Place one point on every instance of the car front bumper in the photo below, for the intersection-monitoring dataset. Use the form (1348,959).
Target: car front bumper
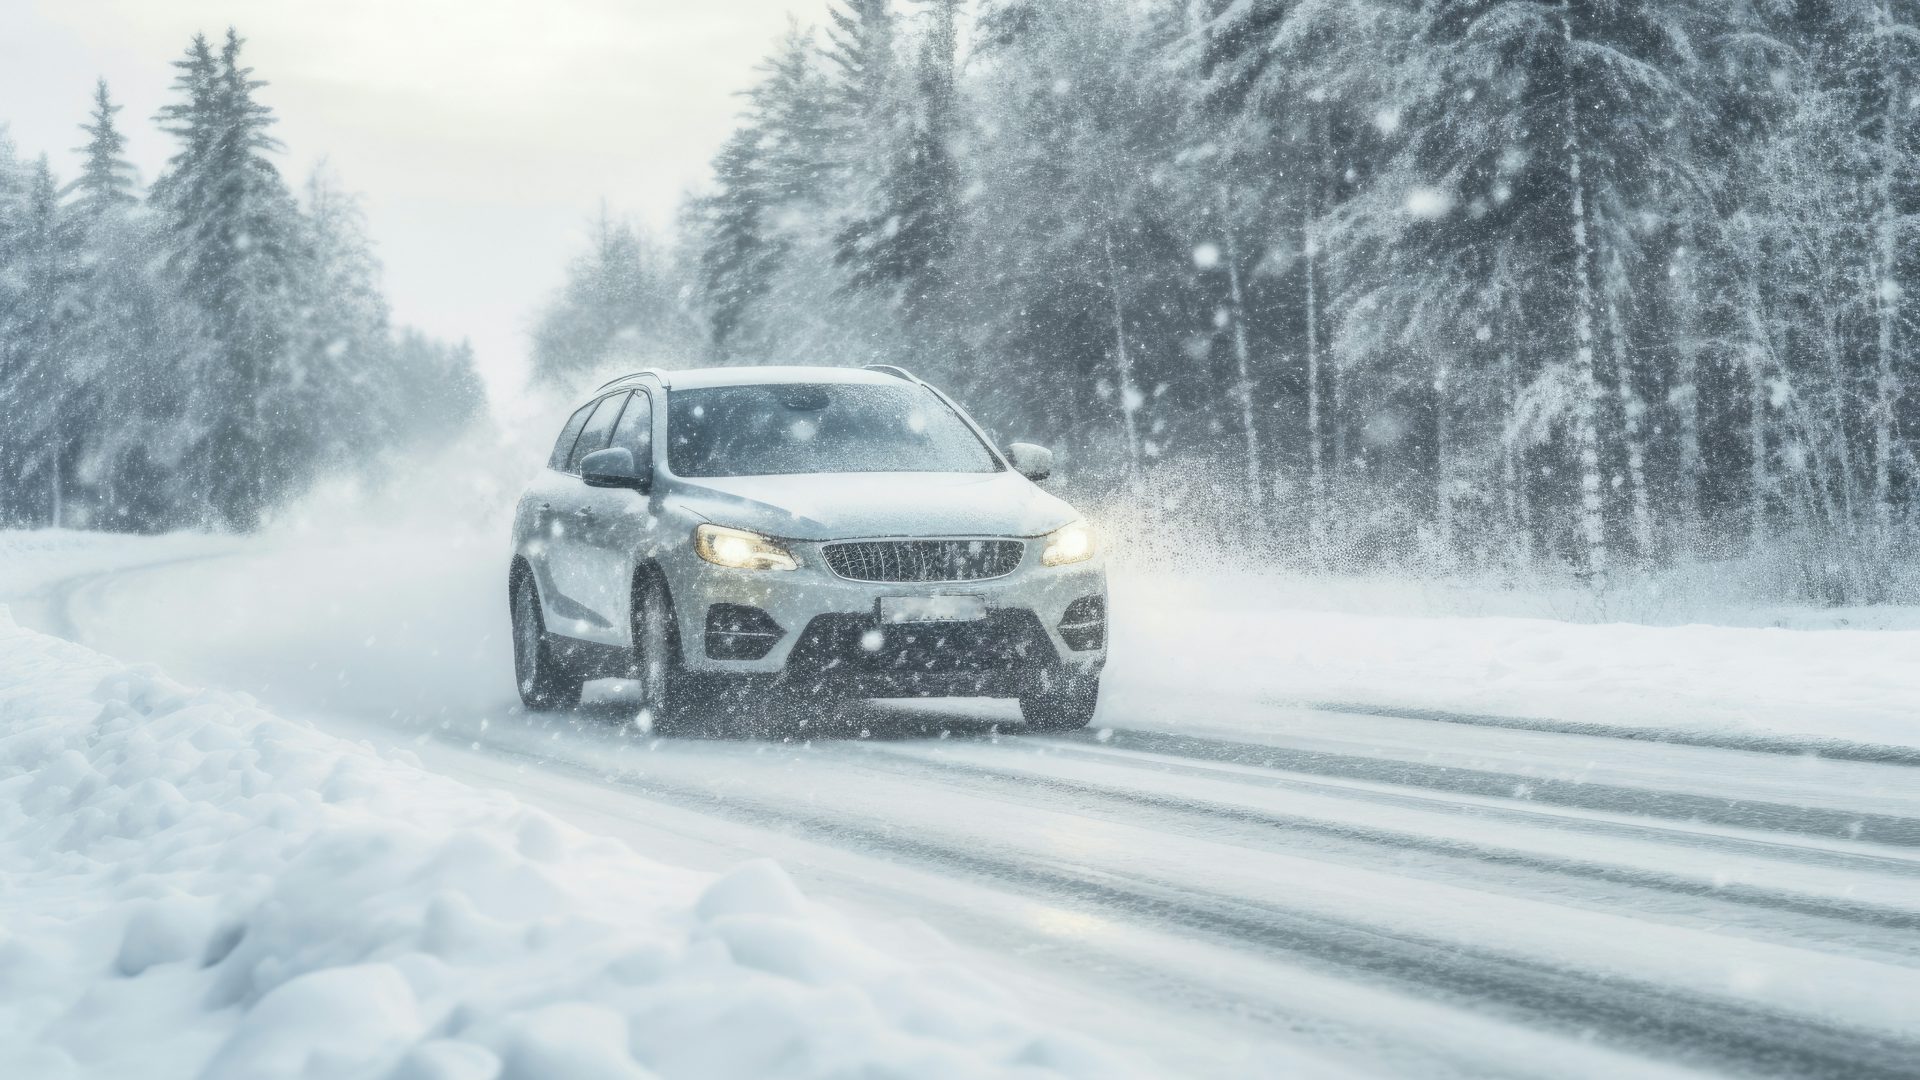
(812,626)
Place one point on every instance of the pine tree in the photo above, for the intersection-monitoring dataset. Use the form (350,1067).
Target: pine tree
(124,350)
(739,254)
(106,177)
(860,48)
(621,308)
(37,383)
(865,104)
(234,238)
(789,106)
(1073,238)
(1499,281)
(14,406)
(1284,92)
(335,386)
(903,244)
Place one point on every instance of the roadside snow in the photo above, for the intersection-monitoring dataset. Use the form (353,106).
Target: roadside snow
(191,886)
(32,562)
(1234,651)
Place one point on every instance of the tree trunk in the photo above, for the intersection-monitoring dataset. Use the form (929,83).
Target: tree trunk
(1758,478)
(1130,397)
(1886,386)
(1310,252)
(1632,411)
(1519,521)
(1243,374)
(1586,409)
(1442,465)
(1684,399)
(56,497)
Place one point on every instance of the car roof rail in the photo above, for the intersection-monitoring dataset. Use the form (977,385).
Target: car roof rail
(655,372)
(895,370)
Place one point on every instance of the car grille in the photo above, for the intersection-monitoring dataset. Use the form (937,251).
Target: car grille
(994,656)
(924,560)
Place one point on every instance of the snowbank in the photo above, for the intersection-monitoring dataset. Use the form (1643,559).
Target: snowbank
(190,886)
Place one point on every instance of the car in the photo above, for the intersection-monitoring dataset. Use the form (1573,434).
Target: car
(733,536)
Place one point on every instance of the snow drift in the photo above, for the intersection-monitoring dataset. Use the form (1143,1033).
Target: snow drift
(191,886)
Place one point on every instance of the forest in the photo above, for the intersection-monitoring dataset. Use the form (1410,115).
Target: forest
(1438,286)
(195,354)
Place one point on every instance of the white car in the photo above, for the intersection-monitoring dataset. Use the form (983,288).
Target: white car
(720,535)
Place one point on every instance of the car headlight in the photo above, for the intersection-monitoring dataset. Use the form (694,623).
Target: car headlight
(741,550)
(1068,544)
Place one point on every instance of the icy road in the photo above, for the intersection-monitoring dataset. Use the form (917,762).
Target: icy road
(1214,882)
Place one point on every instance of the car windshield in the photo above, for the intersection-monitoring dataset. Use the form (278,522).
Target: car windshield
(776,429)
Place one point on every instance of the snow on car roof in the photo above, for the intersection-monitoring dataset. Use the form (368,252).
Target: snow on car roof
(696,378)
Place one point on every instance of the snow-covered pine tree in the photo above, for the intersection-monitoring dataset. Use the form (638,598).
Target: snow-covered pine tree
(1537,143)
(40,261)
(863,93)
(738,251)
(621,308)
(903,245)
(14,407)
(106,178)
(1869,53)
(127,350)
(234,238)
(791,108)
(337,384)
(1287,94)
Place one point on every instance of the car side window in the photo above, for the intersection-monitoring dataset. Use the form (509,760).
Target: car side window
(635,431)
(563,446)
(599,427)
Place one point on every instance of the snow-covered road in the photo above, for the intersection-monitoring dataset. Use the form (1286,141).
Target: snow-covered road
(1217,883)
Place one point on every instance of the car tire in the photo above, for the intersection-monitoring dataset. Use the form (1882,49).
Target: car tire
(672,701)
(1063,702)
(545,681)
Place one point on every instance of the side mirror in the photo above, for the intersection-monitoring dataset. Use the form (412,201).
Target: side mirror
(612,468)
(1030,461)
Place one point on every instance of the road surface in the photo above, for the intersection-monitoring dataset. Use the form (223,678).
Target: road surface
(1223,887)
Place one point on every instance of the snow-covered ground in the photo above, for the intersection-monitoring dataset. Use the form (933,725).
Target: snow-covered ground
(1252,644)
(1414,840)
(193,886)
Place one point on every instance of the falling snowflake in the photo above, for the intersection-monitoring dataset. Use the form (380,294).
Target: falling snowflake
(1429,203)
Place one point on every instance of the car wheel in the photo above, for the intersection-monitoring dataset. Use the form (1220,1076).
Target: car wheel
(668,696)
(545,683)
(1062,702)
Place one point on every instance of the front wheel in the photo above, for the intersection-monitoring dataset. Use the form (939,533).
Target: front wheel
(1062,702)
(545,682)
(674,700)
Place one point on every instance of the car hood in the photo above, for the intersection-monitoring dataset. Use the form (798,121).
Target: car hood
(838,506)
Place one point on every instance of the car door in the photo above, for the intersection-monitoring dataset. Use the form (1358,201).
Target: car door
(535,519)
(579,605)
(616,524)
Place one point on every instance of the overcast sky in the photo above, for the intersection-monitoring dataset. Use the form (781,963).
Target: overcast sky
(482,133)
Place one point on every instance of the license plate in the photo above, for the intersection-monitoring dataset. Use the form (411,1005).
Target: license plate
(921,609)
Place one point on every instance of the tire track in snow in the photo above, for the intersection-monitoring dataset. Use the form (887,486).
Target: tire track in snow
(1630,1014)
(1506,809)
(1792,745)
(1269,826)
(1643,802)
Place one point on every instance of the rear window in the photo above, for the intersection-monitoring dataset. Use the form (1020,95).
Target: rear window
(781,429)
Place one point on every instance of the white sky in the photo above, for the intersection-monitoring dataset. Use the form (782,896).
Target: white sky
(482,134)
